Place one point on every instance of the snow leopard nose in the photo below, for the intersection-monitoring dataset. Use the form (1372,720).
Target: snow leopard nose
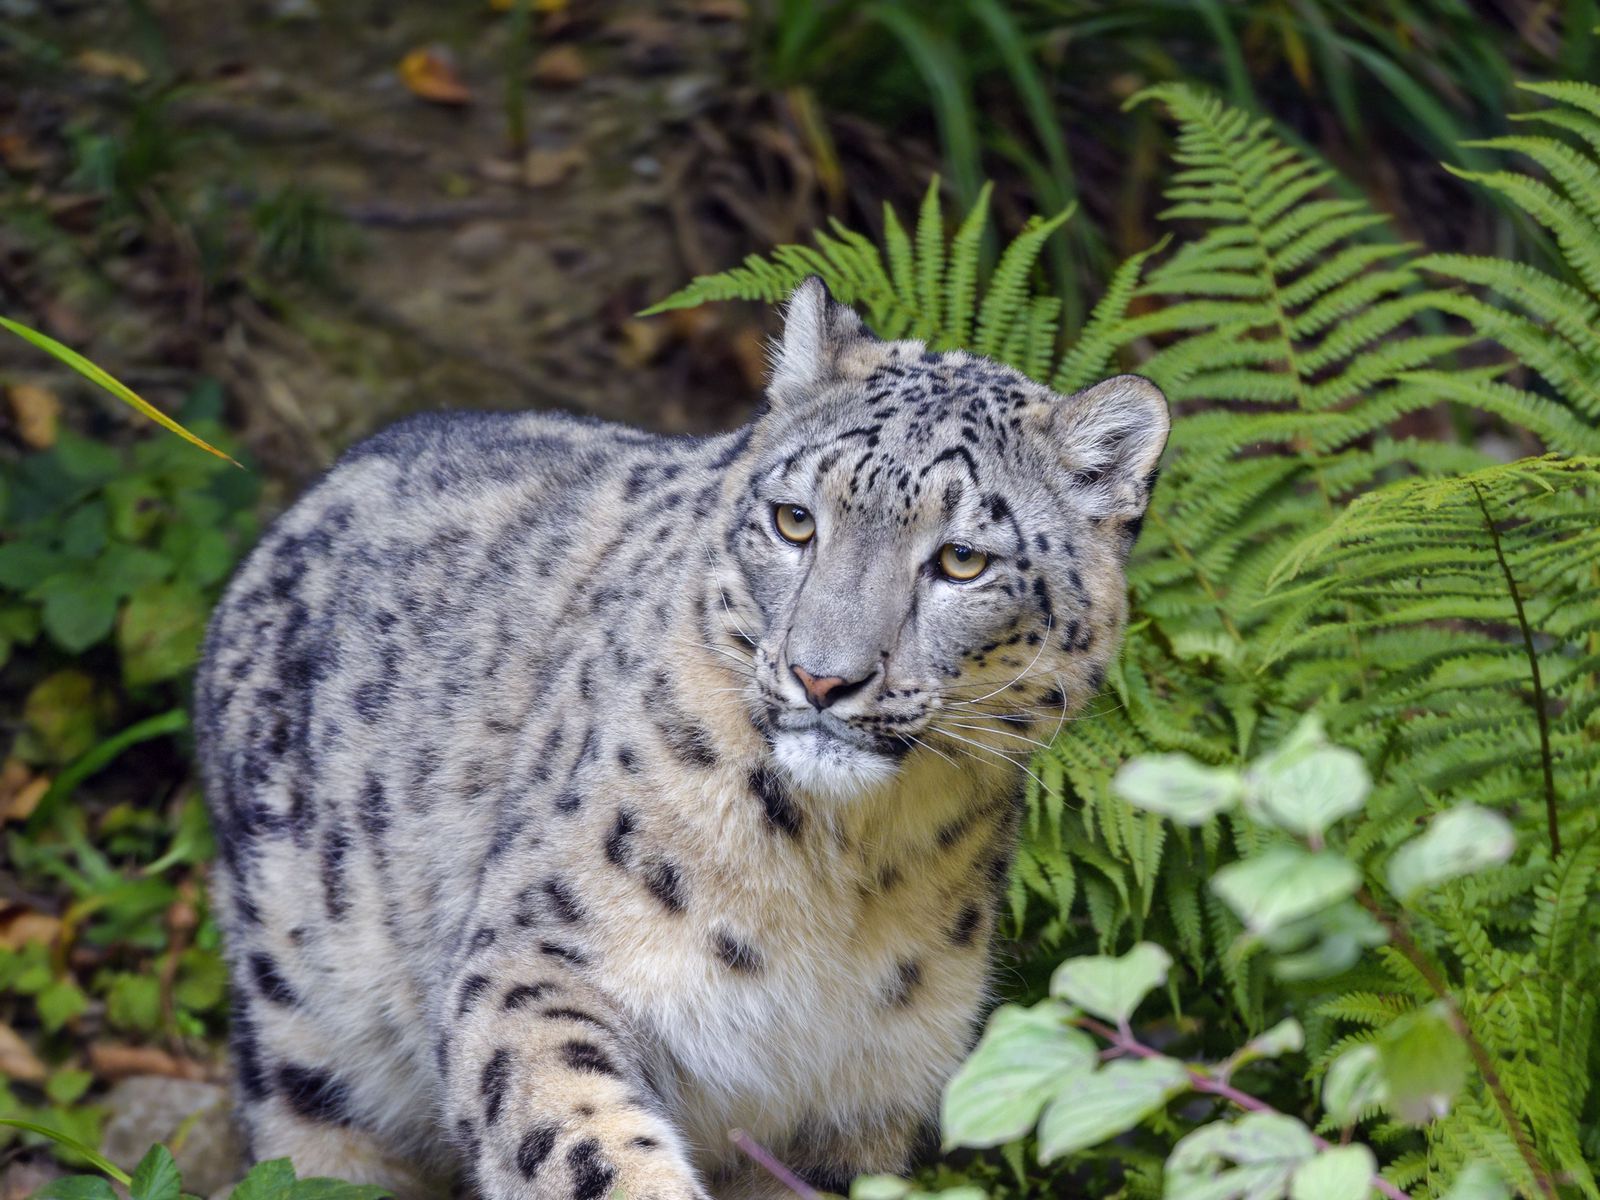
(829,689)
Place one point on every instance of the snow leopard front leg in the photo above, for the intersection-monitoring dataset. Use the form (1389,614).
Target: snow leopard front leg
(545,1089)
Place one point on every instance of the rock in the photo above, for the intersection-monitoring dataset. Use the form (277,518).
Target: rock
(17,1059)
(544,168)
(37,413)
(479,244)
(22,1179)
(194,1119)
(559,66)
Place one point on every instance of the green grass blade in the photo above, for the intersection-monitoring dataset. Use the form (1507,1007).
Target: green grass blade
(98,1161)
(94,374)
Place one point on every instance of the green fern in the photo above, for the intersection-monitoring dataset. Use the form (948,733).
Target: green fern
(1549,325)
(1441,611)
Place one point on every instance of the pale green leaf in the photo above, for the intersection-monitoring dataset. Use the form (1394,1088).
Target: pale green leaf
(1284,884)
(1457,842)
(1342,1173)
(77,1187)
(1178,787)
(1477,1181)
(1110,1101)
(93,373)
(1286,1037)
(1354,1084)
(1424,1064)
(1254,1157)
(1112,987)
(1307,784)
(1025,1057)
(879,1187)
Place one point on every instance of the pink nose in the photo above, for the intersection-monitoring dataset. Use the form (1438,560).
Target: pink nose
(821,692)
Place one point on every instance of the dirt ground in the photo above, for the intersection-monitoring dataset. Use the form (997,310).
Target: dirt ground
(481,276)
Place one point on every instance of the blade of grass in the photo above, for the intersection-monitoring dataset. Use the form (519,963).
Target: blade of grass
(942,71)
(102,755)
(95,1159)
(94,374)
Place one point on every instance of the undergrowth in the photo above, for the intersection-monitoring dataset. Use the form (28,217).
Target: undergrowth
(1325,538)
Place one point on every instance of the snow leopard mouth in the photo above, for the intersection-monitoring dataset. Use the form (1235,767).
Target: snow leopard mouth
(795,719)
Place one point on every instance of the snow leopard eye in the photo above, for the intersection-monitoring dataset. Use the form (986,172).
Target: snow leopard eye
(961,562)
(794,524)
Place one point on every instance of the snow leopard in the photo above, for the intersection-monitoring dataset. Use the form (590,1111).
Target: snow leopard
(582,795)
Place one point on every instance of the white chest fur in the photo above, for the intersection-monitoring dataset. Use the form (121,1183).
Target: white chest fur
(847,998)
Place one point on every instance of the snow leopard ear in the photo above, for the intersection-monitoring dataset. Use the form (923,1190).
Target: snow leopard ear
(816,330)
(1109,438)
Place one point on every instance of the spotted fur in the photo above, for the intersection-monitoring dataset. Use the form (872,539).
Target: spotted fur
(538,868)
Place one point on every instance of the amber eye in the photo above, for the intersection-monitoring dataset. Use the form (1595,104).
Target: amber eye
(796,524)
(960,562)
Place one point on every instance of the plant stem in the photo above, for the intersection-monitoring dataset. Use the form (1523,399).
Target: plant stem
(769,1162)
(1545,758)
(1202,1080)
(1403,942)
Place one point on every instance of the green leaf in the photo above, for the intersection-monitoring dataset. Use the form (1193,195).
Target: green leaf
(1178,787)
(123,568)
(76,612)
(134,1002)
(1284,884)
(160,632)
(1286,1037)
(335,1189)
(83,533)
(1457,842)
(1424,1064)
(26,564)
(1111,1101)
(68,1085)
(77,1187)
(1264,1150)
(1354,1084)
(271,1179)
(156,1176)
(1337,938)
(59,1003)
(1025,1057)
(1112,987)
(1307,784)
(1342,1173)
(203,553)
(134,506)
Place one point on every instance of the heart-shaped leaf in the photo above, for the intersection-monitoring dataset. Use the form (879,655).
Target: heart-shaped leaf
(1112,987)
(1255,1157)
(1342,1173)
(1458,842)
(1284,884)
(156,1176)
(1025,1057)
(1111,1101)
(1354,1085)
(1178,787)
(1424,1064)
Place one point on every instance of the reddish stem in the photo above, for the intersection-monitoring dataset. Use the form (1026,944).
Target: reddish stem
(769,1162)
(1200,1081)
